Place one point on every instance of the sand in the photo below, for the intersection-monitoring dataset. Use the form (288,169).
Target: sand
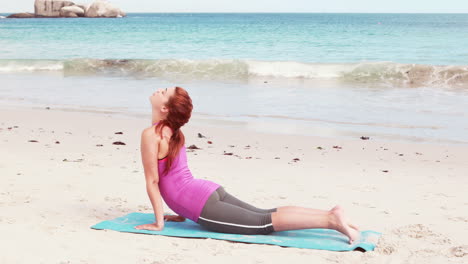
(61,174)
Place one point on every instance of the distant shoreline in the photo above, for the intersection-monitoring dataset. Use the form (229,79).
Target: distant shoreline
(286,13)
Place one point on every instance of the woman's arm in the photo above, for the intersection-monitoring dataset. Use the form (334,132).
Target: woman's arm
(149,155)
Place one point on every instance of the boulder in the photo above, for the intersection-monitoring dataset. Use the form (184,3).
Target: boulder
(101,8)
(67,14)
(67,11)
(21,15)
(84,7)
(50,8)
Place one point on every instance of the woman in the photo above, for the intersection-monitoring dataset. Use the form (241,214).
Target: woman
(205,202)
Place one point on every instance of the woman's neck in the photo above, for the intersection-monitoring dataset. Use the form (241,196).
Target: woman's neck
(156,117)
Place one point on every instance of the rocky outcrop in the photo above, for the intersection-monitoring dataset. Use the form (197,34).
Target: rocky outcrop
(101,8)
(62,8)
(72,11)
(49,8)
(22,15)
(67,14)
(84,7)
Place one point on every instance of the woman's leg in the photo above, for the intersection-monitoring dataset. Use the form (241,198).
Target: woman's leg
(226,213)
(309,211)
(230,199)
(292,211)
(292,218)
(223,217)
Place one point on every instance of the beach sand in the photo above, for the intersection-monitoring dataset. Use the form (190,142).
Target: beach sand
(61,174)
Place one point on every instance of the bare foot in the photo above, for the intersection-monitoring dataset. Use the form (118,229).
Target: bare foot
(340,224)
(348,222)
(353,226)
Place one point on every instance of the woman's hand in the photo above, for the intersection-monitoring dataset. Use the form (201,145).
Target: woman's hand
(174,218)
(152,227)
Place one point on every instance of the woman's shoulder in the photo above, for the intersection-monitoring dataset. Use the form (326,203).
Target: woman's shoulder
(150,133)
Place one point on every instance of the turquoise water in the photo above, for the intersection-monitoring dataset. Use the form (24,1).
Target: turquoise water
(393,75)
(313,38)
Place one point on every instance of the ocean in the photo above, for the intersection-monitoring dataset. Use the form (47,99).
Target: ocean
(391,76)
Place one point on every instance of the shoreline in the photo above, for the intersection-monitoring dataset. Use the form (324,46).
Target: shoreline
(401,114)
(273,125)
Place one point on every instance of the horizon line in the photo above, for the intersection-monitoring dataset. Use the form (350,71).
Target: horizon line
(261,12)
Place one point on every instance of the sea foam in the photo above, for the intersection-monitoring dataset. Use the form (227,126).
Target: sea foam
(396,74)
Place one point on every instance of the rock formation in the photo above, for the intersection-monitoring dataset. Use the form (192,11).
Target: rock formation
(63,8)
(101,8)
(72,11)
(21,15)
(64,13)
(49,8)
(84,7)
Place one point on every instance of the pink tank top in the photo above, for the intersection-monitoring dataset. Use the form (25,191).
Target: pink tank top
(184,194)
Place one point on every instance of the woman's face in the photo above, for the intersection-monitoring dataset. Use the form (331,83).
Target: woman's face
(160,98)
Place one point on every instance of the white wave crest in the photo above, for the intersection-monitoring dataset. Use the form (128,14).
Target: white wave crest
(414,75)
(406,75)
(30,65)
(167,68)
(293,69)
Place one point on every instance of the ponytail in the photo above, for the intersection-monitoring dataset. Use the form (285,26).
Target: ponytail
(180,109)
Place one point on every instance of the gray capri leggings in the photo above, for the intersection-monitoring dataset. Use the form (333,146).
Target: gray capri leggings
(226,214)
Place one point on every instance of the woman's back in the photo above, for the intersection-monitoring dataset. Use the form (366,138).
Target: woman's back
(184,194)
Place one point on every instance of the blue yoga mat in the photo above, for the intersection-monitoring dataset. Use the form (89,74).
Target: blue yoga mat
(325,239)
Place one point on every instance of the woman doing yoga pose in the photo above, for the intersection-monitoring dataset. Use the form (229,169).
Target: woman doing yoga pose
(207,203)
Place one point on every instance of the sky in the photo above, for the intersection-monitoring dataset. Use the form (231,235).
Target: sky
(324,6)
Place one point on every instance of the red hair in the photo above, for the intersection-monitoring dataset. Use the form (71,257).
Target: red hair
(179,111)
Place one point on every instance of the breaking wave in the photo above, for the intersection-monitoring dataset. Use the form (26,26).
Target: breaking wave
(406,75)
